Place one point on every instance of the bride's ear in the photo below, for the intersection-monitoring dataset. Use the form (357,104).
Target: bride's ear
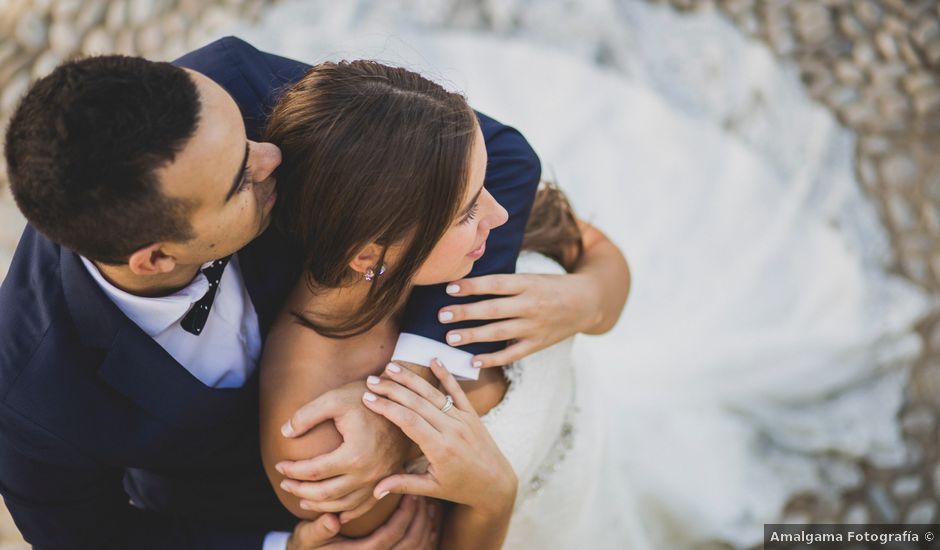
(367,258)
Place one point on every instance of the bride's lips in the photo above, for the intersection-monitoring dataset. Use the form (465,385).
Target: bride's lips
(478,252)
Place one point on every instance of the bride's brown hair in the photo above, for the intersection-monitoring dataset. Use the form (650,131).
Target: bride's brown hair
(372,153)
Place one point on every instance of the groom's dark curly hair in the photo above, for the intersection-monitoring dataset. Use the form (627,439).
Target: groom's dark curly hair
(83,146)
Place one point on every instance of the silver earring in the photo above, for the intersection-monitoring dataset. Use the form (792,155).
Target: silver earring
(370,273)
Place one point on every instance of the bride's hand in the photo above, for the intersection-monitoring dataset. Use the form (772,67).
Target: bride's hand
(466,466)
(534,311)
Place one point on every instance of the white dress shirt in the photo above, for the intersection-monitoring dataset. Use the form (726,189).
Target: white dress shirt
(227,351)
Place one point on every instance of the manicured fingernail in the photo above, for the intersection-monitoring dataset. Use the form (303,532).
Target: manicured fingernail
(344,519)
(285,485)
(453,289)
(369,396)
(372,380)
(445,316)
(437,362)
(477,364)
(280,469)
(304,504)
(287,429)
(392,367)
(454,338)
(382,494)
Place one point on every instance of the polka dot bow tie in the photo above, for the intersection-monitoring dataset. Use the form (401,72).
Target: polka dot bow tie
(196,317)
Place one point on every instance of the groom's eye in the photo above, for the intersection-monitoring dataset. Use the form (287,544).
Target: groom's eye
(246,182)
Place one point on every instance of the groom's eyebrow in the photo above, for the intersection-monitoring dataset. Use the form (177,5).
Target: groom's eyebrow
(239,177)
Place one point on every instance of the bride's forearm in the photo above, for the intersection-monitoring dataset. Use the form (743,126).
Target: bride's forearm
(466,528)
(607,279)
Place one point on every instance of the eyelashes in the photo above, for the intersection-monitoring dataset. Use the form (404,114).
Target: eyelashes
(246,181)
(471,214)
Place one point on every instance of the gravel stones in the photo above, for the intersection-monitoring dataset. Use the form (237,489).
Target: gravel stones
(924,511)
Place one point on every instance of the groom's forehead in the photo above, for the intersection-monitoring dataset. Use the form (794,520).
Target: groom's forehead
(215,151)
(216,104)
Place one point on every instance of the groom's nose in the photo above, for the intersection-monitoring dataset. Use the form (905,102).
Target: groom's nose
(265,157)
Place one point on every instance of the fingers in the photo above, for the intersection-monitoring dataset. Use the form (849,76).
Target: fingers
(436,513)
(450,385)
(317,532)
(399,388)
(414,382)
(498,331)
(489,284)
(411,484)
(411,423)
(419,532)
(335,463)
(497,308)
(318,490)
(314,497)
(319,410)
(392,532)
(503,357)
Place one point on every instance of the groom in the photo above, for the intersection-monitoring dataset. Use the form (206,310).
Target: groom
(136,305)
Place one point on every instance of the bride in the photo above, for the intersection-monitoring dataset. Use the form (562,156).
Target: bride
(383,189)
(758,263)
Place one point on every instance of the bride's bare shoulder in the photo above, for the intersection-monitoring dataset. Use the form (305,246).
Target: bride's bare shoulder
(296,350)
(295,354)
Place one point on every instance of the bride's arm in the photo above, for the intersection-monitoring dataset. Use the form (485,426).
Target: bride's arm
(465,464)
(605,270)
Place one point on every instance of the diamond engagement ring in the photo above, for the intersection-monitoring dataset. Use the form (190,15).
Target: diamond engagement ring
(448,404)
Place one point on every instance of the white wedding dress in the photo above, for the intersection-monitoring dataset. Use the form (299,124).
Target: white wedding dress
(552,430)
(762,332)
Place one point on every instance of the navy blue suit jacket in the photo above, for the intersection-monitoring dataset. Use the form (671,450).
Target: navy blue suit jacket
(105,440)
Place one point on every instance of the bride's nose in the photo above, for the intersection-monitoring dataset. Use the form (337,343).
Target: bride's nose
(496,215)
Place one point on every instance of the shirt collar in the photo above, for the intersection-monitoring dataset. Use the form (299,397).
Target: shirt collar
(152,314)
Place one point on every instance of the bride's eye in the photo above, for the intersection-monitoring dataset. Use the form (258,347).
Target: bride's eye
(471,214)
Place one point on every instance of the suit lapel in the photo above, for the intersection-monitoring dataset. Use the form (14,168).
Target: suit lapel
(135,365)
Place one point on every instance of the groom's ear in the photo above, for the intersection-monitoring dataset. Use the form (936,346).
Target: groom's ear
(151,260)
(367,258)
